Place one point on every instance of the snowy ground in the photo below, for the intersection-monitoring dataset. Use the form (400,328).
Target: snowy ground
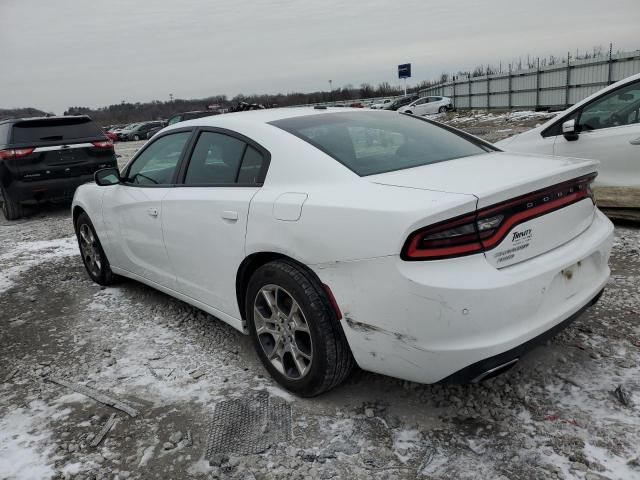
(552,416)
(494,126)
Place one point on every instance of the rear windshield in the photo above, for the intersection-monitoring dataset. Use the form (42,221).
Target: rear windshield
(377,142)
(43,130)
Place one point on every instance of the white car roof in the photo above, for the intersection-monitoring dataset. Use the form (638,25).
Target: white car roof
(264,116)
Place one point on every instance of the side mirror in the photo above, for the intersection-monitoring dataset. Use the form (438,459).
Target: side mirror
(107,176)
(569,130)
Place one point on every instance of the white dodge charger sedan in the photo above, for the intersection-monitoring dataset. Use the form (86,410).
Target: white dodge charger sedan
(340,236)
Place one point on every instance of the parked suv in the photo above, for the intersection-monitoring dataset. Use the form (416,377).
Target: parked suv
(48,158)
(140,130)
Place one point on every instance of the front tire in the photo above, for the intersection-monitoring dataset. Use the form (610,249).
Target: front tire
(295,330)
(136,138)
(12,210)
(409,112)
(442,110)
(93,256)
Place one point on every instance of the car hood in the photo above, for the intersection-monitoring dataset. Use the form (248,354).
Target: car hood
(491,177)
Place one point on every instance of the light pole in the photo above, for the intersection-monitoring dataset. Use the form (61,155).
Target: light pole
(331,90)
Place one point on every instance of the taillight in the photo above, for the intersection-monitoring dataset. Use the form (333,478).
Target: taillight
(12,153)
(485,229)
(103,144)
(452,238)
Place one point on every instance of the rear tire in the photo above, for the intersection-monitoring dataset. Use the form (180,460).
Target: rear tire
(12,210)
(93,256)
(295,330)
(409,112)
(136,138)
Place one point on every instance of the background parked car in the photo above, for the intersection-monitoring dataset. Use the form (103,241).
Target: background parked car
(110,135)
(139,132)
(428,105)
(605,127)
(123,132)
(381,104)
(181,117)
(401,102)
(152,131)
(48,158)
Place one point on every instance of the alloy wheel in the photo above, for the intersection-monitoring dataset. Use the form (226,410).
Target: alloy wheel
(283,331)
(90,250)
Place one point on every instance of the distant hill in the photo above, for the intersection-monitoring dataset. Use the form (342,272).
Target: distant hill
(20,112)
(122,113)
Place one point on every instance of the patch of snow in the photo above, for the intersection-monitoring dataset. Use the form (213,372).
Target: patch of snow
(617,468)
(25,448)
(405,444)
(23,256)
(276,391)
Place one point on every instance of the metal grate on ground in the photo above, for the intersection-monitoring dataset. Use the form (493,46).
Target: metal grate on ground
(246,426)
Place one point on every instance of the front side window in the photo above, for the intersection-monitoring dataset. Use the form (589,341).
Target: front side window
(220,159)
(615,109)
(369,143)
(157,164)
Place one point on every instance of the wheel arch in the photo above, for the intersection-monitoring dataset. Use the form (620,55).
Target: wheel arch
(76,212)
(254,261)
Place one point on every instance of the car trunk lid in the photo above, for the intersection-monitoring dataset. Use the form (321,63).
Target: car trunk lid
(536,203)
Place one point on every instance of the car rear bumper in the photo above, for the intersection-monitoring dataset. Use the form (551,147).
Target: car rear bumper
(52,189)
(492,366)
(426,321)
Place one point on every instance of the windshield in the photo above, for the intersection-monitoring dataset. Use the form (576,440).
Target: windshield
(377,142)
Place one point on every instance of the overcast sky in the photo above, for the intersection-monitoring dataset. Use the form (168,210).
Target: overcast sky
(60,53)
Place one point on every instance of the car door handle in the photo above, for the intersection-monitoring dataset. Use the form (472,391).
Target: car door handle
(635,141)
(152,211)
(230,215)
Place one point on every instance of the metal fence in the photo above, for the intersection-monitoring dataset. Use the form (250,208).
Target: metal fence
(546,87)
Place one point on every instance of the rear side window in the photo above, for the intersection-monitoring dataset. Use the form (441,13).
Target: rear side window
(251,166)
(54,129)
(375,142)
(220,159)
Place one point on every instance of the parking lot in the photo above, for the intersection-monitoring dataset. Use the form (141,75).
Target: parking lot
(570,409)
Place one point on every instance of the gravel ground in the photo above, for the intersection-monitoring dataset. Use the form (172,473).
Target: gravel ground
(570,409)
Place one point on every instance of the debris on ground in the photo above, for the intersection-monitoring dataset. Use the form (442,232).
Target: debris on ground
(107,426)
(97,396)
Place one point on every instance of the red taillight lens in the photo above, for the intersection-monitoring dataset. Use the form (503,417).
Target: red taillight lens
(15,153)
(452,238)
(484,230)
(103,144)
